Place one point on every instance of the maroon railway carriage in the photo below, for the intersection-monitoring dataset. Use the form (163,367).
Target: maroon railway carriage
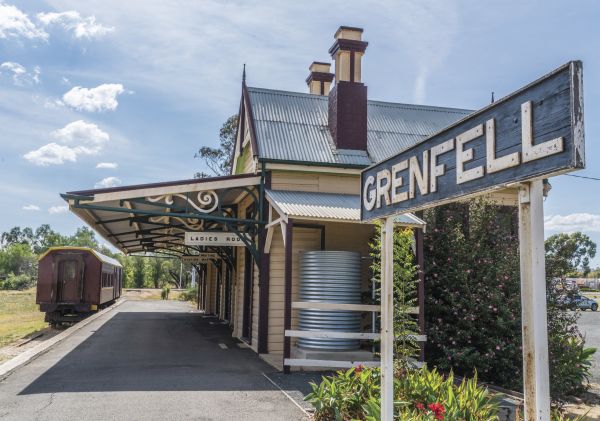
(74,281)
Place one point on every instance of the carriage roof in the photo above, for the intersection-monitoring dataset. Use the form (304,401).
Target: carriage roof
(103,258)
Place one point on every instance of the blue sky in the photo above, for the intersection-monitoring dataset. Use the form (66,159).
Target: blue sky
(138,86)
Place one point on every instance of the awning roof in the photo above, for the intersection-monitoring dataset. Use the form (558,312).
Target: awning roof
(154,217)
(326,206)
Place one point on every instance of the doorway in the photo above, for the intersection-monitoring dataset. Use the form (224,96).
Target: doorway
(68,281)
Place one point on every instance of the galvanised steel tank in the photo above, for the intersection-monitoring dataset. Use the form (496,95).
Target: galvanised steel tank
(330,277)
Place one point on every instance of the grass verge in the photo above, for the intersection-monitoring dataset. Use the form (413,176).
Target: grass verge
(19,315)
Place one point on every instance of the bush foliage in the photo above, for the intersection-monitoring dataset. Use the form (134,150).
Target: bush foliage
(418,395)
(405,288)
(473,307)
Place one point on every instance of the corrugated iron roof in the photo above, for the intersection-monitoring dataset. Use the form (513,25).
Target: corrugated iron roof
(292,126)
(328,206)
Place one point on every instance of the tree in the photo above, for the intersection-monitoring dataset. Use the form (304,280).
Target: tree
(220,160)
(45,237)
(17,235)
(83,237)
(139,274)
(567,253)
(405,288)
(18,259)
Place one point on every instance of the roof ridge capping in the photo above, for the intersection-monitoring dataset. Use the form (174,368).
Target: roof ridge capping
(369,101)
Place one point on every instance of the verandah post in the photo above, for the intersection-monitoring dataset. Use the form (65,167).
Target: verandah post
(387,319)
(536,381)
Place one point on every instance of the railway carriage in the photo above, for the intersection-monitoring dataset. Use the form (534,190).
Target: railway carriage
(74,281)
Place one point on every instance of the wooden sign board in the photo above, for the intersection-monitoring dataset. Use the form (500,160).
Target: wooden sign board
(213,239)
(200,258)
(533,133)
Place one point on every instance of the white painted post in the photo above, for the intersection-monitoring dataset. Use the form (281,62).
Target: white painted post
(533,302)
(387,319)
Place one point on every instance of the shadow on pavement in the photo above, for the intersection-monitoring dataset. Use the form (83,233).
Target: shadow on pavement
(156,351)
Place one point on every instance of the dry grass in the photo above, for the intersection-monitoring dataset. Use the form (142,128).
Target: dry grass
(19,315)
(148,294)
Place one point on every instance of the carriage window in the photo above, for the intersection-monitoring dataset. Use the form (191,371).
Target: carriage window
(69,270)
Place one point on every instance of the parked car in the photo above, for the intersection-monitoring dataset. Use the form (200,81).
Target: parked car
(580,301)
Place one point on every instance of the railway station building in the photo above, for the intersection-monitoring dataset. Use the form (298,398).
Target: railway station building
(294,189)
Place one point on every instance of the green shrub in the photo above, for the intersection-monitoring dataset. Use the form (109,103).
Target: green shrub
(190,294)
(164,294)
(572,375)
(473,299)
(19,282)
(418,395)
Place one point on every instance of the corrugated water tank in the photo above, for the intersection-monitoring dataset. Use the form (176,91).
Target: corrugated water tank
(330,277)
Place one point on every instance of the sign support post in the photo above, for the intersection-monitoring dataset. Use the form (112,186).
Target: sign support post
(533,302)
(387,319)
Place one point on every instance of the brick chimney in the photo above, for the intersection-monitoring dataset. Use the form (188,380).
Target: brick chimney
(319,80)
(348,98)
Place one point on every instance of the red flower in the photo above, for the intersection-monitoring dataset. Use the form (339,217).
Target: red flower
(438,410)
(359,369)
(420,406)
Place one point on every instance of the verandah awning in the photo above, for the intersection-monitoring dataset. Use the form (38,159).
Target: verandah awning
(155,217)
(326,207)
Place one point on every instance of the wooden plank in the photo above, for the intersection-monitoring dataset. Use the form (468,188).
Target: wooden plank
(331,334)
(297,362)
(418,338)
(335,306)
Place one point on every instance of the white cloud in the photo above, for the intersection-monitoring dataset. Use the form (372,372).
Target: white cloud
(107,165)
(51,154)
(53,210)
(100,98)
(20,75)
(14,23)
(87,139)
(72,21)
(108,182)
(31,208)
(573,222)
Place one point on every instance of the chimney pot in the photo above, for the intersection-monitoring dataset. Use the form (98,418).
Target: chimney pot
(349,32)
(319,79)
(347,51)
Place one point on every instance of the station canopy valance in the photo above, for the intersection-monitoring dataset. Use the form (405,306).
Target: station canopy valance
(154,217)
(326,207)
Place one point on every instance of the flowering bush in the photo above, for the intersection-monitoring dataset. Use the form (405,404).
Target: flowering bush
(473,300)
(419,395)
